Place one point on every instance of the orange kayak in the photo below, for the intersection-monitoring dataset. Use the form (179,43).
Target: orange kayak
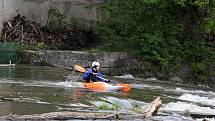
(103,87)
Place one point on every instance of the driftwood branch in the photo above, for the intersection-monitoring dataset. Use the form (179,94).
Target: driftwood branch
(24,31)
(153,107)
(10,25)
(14,27)
(41,34)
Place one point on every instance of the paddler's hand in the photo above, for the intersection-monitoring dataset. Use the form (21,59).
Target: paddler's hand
(109,81)
(94,73)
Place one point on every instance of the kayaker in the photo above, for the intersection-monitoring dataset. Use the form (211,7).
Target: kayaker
(93,74)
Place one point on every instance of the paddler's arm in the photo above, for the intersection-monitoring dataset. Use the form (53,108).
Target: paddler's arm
(101,78)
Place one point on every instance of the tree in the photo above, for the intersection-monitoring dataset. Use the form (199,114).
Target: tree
(167,33)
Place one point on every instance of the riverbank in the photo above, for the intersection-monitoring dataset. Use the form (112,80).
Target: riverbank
(113,63)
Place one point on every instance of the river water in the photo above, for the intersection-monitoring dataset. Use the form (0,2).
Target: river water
(42,89)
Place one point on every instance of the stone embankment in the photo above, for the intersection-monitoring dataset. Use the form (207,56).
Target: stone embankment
(110,61)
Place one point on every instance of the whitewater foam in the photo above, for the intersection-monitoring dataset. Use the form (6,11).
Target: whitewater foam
(195,91)
(125,76)
(198,99)
(186,107)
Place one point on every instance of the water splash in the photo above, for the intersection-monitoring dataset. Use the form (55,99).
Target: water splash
(125,76)
(173,117)
(29,100)
(184,107)
(198,99)
(145,86)
(68,84)
(206,119)
(196,91)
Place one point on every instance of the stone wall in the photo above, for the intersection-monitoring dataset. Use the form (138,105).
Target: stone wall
(111,62)
(37,10)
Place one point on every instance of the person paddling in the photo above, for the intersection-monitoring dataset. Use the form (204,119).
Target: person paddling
(93,74)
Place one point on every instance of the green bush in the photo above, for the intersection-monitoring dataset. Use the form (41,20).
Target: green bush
(167,33)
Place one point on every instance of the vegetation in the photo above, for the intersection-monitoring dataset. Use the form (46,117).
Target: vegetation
(167,33)
(70,33)
(106,106)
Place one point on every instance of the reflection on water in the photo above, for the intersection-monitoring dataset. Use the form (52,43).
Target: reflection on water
(7,72)
(36,89)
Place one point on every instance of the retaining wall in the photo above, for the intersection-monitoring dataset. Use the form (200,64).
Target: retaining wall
(112,62)
(37,10)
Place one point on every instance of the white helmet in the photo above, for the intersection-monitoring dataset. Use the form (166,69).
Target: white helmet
(95,64)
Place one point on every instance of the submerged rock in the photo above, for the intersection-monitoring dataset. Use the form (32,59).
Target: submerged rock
(176,79)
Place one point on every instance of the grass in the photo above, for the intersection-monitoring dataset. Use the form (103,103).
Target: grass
(106,106)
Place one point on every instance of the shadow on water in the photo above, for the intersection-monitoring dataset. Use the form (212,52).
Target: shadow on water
(36,89)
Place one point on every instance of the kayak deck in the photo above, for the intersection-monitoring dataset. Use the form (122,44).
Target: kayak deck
(102,86)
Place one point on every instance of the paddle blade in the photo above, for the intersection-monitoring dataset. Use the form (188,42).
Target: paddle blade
(80,69)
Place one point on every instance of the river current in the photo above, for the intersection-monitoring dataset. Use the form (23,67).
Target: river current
(42,89)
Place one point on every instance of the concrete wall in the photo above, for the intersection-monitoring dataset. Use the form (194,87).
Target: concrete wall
(37,10)
(115,62)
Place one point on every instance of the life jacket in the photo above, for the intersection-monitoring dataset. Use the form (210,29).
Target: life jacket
(88,75)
